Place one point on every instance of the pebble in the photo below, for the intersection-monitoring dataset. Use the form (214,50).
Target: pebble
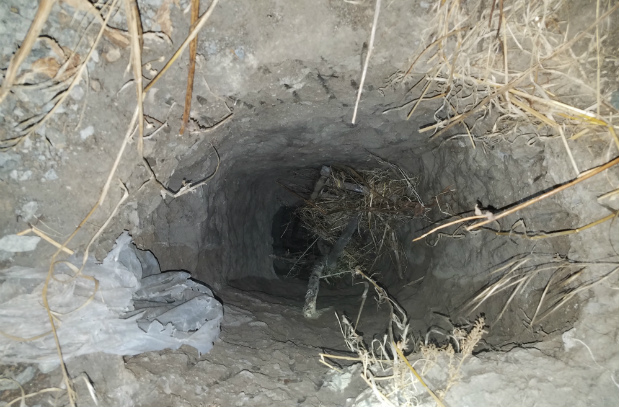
(87,132)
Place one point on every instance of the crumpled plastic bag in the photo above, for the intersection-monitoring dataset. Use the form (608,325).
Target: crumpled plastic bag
(135,309)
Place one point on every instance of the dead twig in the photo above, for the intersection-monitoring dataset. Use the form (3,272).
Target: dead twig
(583,176)
(193,49)
(194,32)
(137,43)
(43,236)
(367,59)
(45,7)
(557,233)
(455,222)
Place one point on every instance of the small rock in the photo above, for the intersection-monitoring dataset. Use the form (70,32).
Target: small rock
(21,175)
(95,85)
(240,53)
(87,132)
(16,244)
(51,175)
(112,55)
(77,93)
(28,211)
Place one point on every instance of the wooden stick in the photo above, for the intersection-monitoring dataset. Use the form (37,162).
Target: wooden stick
(137,42)
(323,264)
(193,48)
(45,6)
(585,175)
(194,32)
(367,59)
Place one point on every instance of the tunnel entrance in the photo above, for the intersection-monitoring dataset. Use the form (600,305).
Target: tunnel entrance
(454,138)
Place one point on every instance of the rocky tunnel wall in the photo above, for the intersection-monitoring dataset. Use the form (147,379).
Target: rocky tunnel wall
(223,232)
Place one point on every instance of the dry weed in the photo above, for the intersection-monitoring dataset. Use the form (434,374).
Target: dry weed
(383,198)
(389,373)
(561,278)
(523,75)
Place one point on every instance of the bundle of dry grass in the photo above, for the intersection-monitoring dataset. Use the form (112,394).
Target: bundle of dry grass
(382,198)
(518,65)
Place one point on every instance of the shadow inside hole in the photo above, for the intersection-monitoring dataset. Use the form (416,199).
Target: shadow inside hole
(294,248)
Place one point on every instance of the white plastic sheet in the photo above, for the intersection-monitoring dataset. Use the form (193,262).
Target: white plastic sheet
(128,314)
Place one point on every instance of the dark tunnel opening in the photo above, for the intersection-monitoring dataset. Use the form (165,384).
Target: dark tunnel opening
(294,247)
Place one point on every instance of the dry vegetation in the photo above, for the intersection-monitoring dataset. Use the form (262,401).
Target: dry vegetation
(563,280)
(535,77)
(383,198)
(517,66)
(395,378)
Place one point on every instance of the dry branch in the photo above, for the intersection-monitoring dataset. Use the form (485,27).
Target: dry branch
(367,59)
(193,49)
(137,43)
(496,216)
(193,34)
(556,233)
(45,7)
(323,265)
(583,176)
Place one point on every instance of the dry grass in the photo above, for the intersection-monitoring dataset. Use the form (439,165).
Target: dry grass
(522,77)
(62,84)
(559,279)
(476,74)
(447,360)
(383,198)
(45,7)
(367,59)
(137,44)
(392,376)
(531,78)
(193,34)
